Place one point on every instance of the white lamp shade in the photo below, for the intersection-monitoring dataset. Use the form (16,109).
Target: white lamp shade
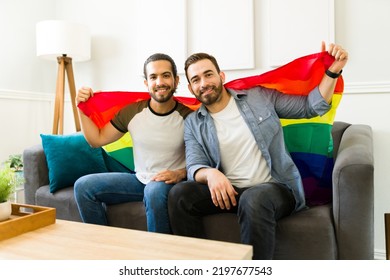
(56,38)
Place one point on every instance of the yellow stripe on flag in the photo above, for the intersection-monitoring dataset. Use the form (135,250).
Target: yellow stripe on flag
(124,142)
(328,118)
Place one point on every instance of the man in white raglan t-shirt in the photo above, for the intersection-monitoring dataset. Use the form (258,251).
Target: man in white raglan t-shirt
(157,128)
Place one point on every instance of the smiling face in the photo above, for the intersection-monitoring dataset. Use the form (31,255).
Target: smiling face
(160,80)
(205,82)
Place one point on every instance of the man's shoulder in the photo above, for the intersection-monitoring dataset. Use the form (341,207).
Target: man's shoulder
(197,117)
(255,96)
(136,104)
(257,90)
(132,109)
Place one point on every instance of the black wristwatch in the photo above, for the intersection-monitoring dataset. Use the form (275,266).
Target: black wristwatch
(333,75)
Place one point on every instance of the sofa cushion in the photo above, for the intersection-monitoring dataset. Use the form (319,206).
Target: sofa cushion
(307,229)
(130,215)
(69,157)
(62,200)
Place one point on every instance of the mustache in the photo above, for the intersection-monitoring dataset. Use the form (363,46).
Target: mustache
(162,87)
(206,88)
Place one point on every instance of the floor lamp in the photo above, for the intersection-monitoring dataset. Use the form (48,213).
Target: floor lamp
(64,42)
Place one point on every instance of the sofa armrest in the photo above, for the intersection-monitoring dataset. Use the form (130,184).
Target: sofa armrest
(36,173)
(353,194)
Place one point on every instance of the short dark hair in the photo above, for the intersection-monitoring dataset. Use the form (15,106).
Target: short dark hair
(197,57)
(160,56)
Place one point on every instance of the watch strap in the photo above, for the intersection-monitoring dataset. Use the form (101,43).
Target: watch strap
(333,75)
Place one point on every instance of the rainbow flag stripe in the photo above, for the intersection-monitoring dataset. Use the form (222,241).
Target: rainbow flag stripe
(122,151)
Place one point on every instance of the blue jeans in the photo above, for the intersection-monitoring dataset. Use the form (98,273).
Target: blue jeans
(259,208)
(95,191)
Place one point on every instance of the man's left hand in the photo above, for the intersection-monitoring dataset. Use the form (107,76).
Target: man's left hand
(340,55)
(169,176)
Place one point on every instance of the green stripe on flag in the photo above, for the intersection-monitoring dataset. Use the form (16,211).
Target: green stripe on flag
(124,156)
(312,138)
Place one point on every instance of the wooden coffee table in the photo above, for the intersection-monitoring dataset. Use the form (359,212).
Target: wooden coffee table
(67,240)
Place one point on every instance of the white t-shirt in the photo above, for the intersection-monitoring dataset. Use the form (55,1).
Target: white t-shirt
(235,138)
(158,140)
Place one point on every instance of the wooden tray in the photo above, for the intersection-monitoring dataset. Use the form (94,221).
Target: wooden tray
(26,218)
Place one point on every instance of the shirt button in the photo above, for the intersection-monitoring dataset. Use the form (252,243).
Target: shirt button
(260,119)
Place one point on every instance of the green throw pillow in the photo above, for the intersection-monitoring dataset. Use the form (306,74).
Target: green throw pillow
(70,157)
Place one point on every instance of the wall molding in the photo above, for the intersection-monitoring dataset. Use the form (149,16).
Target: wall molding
(367,87)
(26,95)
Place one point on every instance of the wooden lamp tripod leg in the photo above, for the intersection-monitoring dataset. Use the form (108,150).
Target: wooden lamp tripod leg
(58,119)
(72,89)
(64,64)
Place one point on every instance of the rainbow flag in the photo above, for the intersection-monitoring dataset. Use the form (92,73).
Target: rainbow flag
(309,141)
(102,108)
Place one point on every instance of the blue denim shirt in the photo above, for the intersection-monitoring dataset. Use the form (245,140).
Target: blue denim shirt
(261,109)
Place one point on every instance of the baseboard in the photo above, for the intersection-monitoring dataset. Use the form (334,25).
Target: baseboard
(379,255)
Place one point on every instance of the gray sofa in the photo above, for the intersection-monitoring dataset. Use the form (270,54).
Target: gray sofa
(342,229)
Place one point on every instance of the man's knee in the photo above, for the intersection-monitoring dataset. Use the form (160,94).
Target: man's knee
(81,186)
(257,198)
(181,196)
(180,191)
(156,192)
(269,197)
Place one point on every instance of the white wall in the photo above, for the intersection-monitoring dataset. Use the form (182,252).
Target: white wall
(27,84)
(25,81)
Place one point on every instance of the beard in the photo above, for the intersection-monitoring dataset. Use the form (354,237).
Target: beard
(212,97)
(162,98)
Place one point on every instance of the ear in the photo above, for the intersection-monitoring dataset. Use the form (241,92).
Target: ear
(146,83)
(222,75)
(190,89)
(177,80)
